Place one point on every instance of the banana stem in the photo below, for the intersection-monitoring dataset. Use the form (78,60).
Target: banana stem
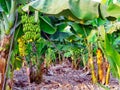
(36,16)
(100,67)
(107,75)
(2,32)
(90,61)
(6,23)
(94,79)
(12,13)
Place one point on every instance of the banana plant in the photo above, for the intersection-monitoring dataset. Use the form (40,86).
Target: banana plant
(66,8)
(112,55)
(6,25)
(98,12)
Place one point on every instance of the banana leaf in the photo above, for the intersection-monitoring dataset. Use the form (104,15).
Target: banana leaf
(80,9)
(113,10)
(46,25)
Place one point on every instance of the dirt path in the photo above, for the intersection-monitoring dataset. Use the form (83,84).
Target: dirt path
(62,77)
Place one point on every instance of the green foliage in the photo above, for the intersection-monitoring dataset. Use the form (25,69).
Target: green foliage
(92,37)
(46,25)
(20,11)
(65,8)
(5,5)
(84,10)
(113,10)
(60,6)
(75,53)
(7,16)
(49,57)
(116,43)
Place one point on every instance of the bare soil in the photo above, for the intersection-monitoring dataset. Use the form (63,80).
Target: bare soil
(61,77)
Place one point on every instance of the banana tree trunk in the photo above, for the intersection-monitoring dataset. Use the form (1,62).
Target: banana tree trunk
(6,27)
(4,49)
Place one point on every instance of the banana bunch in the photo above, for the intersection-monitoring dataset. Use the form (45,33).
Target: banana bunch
(31,28)
(22,46)
(31,31)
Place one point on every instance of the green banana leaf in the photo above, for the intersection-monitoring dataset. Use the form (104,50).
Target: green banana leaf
(84,9)
(80,9)
(113,57)
(116,41)
(77,29)
(80,30)
(92,37)
(5,5)
(48,6)
(46,26)
(62,26)
(113,10)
